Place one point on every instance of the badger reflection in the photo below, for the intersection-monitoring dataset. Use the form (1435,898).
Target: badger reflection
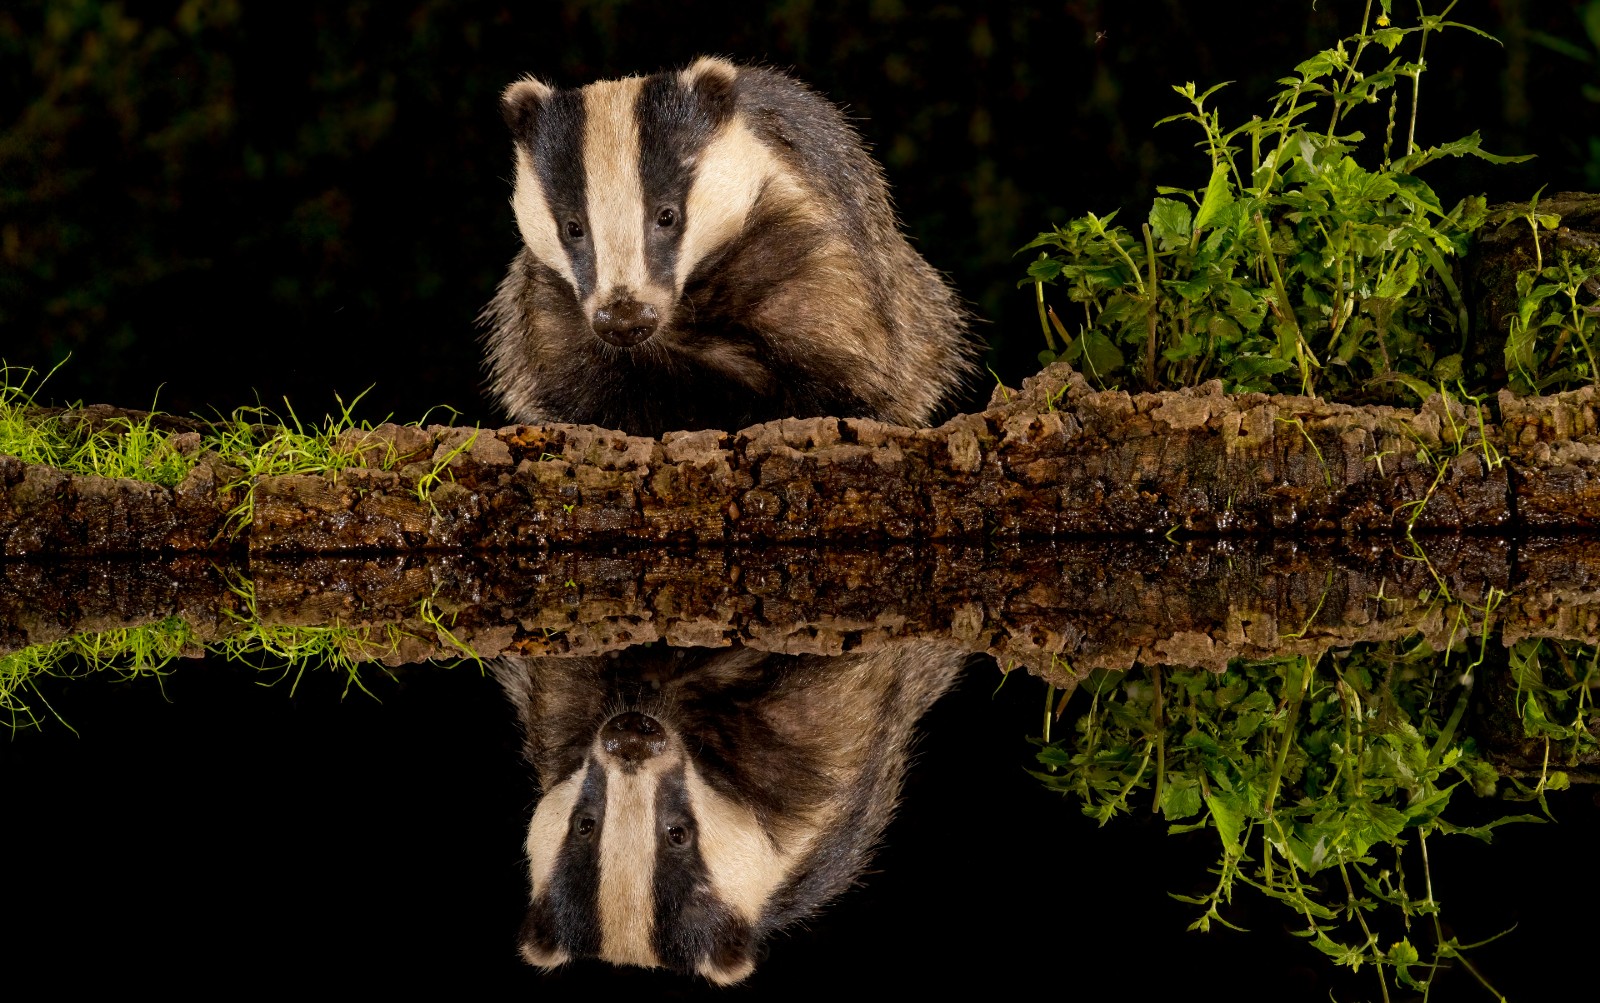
(694,801)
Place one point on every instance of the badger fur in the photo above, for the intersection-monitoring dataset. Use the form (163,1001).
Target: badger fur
(697,800)
(711,247)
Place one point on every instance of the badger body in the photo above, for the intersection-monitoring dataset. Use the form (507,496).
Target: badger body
(694,801)
(711,247)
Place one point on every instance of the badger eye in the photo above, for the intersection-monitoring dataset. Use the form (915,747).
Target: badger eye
(574,231)
(677,835)
(584,826)
(666,218)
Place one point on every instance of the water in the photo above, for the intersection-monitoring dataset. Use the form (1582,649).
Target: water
(196,822)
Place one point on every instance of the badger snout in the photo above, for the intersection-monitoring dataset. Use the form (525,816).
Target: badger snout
(626,322)
(633,737)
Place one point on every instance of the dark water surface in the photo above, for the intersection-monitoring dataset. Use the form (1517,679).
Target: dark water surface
(204,831)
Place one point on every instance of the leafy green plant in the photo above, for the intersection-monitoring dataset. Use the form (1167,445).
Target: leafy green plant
(1550,338)
(1307,261)
(1322,778)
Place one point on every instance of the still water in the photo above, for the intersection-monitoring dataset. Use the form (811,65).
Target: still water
(252,772)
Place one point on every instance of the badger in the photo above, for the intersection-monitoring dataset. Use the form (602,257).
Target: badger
(697,800)
(710,248)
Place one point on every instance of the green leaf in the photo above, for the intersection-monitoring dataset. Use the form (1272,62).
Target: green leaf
(1219,195)
(1045,269)
(1416,191)
(1180,798)
(1171,222)
(1100,355)
(1402,956)
(1399,280)
(1468,145)
(1448,369)
(1228,812)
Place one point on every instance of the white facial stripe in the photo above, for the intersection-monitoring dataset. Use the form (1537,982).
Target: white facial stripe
(628,868)
(535,220)
(733,170)
(744,866)
(548,830)
(615,191)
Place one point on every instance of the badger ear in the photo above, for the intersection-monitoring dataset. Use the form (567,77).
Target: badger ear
(536,945)
(732,957)
(727,970)
(711,82)
(520,104)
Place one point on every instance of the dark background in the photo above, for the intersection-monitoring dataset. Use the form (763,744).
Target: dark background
(208,836)
(232,200)
(241,201)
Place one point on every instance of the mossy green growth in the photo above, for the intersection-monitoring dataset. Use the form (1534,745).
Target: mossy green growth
(126,652)
(1312,258)
(1323,779)
(254,441)
(122,447)
(278,651)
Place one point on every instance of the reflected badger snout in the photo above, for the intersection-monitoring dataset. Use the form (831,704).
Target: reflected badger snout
(633,737)
(626,322)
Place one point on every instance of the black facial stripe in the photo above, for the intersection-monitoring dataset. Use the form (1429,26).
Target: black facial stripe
(674,126)
(692,924)
(557,148)
(567,911)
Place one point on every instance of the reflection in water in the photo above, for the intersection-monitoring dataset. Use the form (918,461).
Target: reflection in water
(696,801)
(1324,777)
(721,736)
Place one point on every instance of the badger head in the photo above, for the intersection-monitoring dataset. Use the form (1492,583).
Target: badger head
(697,801)
(625,186)
(638,858)
(683,265)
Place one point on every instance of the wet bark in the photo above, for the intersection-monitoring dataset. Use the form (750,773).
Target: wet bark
(1058,608)
(1053,459)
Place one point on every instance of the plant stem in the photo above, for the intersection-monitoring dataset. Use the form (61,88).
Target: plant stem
(1281,297)
(1161,734)
(1350,72)
(1150,309)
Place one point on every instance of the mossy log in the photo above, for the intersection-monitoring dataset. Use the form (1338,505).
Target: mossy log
(1053,459)
(1059,608)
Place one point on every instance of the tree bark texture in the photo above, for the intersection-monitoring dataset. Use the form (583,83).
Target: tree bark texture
(1057,608)
(1056,458)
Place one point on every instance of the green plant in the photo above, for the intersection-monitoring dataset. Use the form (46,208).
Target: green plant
(118,447)
(1322,778)
(1555,316)
(129,652)
(1294,266)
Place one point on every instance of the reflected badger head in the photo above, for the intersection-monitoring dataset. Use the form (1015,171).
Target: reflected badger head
(694,802)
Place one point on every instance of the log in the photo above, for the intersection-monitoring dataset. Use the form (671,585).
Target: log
(1056,458)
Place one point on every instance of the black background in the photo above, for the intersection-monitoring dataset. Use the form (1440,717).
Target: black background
(236,201)
(212,834)
(242,201)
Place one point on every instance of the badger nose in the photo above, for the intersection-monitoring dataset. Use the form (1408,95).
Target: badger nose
(626,323)
(633,737)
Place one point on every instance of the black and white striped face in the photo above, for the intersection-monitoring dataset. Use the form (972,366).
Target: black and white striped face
(623,187)
(634,858)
